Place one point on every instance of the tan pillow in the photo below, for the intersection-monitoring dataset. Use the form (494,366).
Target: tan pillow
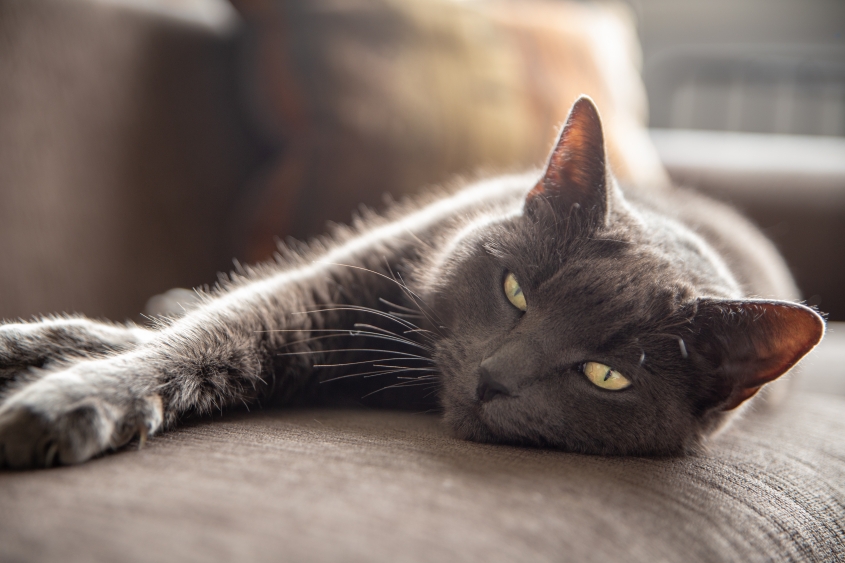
(366,97)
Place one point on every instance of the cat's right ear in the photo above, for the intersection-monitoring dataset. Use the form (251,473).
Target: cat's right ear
(575,179)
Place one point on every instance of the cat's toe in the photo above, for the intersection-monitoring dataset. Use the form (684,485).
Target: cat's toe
(29,439)
(34,438)
(24,441)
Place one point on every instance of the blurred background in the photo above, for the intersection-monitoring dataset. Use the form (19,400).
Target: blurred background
(145,143)
(747,102)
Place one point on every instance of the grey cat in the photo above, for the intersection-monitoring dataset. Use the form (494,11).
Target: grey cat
(551,309)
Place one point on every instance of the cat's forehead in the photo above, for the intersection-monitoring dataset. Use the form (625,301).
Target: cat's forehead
(606,279)
(626,254)
(555,260)
(604,291)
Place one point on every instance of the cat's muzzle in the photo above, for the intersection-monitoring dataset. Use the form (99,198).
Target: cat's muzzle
(489,387)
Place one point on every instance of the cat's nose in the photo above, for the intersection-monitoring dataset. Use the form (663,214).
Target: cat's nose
(489,386)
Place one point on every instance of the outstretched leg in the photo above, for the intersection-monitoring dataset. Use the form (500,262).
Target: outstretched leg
(60,340)
(264,333)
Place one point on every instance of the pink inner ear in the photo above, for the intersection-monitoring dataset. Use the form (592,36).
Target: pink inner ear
(781,334)
(576,167)
(582,152)
(795,332)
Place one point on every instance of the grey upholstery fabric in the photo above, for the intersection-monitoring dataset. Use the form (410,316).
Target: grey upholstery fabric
(381,486)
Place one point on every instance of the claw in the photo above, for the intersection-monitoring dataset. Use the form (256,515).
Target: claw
(142,436)
(50,457)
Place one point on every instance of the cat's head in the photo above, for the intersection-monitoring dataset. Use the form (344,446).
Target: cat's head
(587,324)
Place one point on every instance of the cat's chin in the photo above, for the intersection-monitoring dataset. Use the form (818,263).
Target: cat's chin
(490,423)
(477,422)
(465,422)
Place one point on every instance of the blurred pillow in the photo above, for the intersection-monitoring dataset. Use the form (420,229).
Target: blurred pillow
(367,97)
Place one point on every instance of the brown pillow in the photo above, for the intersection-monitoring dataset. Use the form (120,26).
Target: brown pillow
(367,97)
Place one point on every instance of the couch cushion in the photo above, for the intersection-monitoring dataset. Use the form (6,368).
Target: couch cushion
(389,96)
(382,486)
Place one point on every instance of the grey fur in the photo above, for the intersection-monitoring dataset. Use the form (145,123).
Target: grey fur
(417,295)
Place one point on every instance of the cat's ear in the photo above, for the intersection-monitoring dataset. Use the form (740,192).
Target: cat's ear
(745,344)
(575,178)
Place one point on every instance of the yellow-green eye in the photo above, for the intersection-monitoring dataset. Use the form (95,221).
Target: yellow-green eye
(514,292)
(605,377)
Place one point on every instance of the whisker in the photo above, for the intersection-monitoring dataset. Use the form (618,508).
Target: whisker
(371,361)
(412,296)
(398,339)
(403,322)
(416,316)
(401,283)
(416,377)
(395,385)
(365,375)
(373,327)
(405,288)
(338,330)
(405,368)
(384,330)
(351,350)
(395,306)
(361,333)
(329,304)
(413,314)
(420,330)
(315,338)
(394,371)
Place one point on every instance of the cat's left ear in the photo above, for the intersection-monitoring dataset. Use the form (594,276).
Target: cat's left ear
(575,179)
(745,344)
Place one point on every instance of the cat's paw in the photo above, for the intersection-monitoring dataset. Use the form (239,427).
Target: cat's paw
(64,419)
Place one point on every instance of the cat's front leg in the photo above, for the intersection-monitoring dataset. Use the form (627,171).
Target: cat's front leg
(78,411)
(259,336)
(60,340)
(223,353)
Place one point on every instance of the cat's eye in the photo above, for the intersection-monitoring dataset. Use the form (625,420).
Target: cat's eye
(605,377)
(514,292)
